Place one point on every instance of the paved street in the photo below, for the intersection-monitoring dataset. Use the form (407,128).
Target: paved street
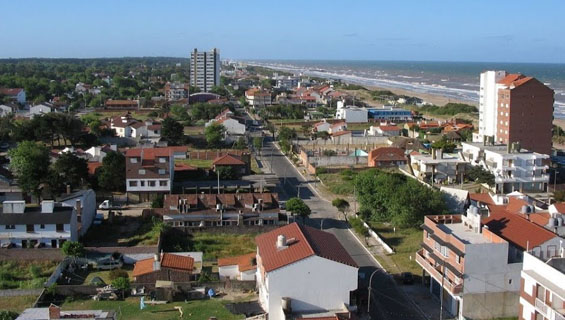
(387,301)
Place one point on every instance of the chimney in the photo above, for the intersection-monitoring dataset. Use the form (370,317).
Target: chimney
(78,208)
(68,189)
(47,206)
(281,242)
(54,312)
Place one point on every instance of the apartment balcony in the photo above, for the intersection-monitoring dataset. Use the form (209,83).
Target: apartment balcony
(548,312)
(436,272)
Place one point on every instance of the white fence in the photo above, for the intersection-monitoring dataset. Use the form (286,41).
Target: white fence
(375,236)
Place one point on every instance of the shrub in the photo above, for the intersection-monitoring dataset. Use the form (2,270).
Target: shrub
(359,227)
(35,271)
(118,273)
(321,170)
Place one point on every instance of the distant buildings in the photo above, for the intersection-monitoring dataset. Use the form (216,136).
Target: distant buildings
(514,168)
(515,108)
(15,94)
(389,113)
(302,269)
(352,114)
(287,82)
(257,97)
(175,91)
(205,69)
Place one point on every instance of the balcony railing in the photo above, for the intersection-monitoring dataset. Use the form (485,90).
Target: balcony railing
(557,316)
(454,288)
(542,308)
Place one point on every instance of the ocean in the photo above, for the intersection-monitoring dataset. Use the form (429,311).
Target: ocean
(456,80)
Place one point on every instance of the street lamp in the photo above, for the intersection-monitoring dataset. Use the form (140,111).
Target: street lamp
(369,289)
(322,224)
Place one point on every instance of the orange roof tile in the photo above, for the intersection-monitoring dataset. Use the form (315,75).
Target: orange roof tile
(387,154)
(482,197)
(168,260)
(92,166)
(244,262)
(341,133)
(389,128)
(228,160)
(303,242)
(515,204)
(560,206)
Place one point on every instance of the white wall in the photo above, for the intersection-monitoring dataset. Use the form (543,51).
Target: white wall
(234,127)
(231,272)
(88,205)
(488,103)
(146,187)
(313,284)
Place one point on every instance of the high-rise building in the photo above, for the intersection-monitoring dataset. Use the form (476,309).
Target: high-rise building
(205,69)
(515,108)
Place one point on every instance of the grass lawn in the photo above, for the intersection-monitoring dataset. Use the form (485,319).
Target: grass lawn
(198,163)
(194,310)
(255,166)
(405,243)
(360,126)
(25,274)
(124,231)
(218,245)
(17,304)
(339,183)
(193,130)
(105,274)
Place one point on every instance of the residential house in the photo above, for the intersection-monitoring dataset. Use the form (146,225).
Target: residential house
(164,267)
(303,270)
(322,126)
(514,168)
(176,91)
(384,130)
(84,203)
(242,268)
(48,225)
(54,312)
(542,288)
(40,109)
(287,82)
(232,125)
(6,110)
(437,167)
(257,97)
(15,94)
(387,157)
(150,171)
(476,261)
(338,127)
(205,210)
(233,161)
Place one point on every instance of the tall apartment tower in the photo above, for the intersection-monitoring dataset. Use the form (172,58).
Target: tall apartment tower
(515,108)
(205,69)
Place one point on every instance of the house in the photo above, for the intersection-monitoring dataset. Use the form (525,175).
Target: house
(338,127)
(15,94)
(6,110)
(121,104)
(48,225)
(437,167)
(389,113)
(235,162)
(384,130)
(164,267)
(84,202)
(176,91)
(514,168)
(322,126)
(405,143)
(128,127)
(257,97)
(387,157)
(40,109)
(542,289)
(206,210)
(54,312)
(150,171)
(478,260)
(303,270)
(352,114)
(242,268)
(232,125)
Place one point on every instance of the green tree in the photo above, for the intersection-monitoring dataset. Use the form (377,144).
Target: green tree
(157,202)
(112,173)
(342,206)
(28,161)
(480,175)
(258,143)
(240,144)
(226,172)
(214,134)
(68,170)
(172,131)
(559,195)
(297,207)
(444,145)
(73,249)
(121,284)
(8,315)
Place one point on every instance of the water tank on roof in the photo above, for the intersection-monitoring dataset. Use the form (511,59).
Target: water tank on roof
(552,222)
(560,222)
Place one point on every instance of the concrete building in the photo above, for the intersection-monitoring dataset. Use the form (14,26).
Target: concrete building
(242,268)
(352,114)
(48,225)
(257,97)
(6,110)
(175,91)
(542,288)
(303,270)
(15,94)
(40,109)
(384,130)
(205,69)
(477,262)
(84,203)
(389,113)
(387,157)
(287,82)
(515,108)
(437,167)
(514,168)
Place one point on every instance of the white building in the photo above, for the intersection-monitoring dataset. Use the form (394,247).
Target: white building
(543,289)
(15,94)
(49,225)
(304,270)
(232,126)
(39,109)
(6,110)
(205,69)
(242,268)
(514,169)
(488,103)
(287,82)
(352,114)
(322,126)
(84,203)
(437,167)
(257,97)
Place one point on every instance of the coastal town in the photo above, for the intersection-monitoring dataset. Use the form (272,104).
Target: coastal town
(201,188)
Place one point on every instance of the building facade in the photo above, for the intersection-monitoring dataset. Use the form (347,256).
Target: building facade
(205,69)
(175,91)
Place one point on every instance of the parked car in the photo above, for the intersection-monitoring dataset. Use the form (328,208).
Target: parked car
(98,218)
(7,245)
(108,205)
(109,264)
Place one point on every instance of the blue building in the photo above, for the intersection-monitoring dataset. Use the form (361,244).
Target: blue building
(388,113)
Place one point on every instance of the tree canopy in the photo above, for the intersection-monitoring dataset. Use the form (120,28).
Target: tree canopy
(29,162)
(112,174)
(297,207)
(172,131)
(214,134)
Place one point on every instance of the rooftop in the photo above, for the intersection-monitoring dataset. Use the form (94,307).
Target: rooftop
(463,233)
(244,262)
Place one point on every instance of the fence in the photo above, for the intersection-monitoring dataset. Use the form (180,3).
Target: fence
(375,236)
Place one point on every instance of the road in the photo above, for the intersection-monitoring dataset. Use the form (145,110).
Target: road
(387,301)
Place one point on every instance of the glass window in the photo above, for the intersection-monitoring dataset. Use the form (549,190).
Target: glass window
(163,183)
(540,294)
(151,183)
(133,183)
(133,160)
(162,171)
(142,183)
(141,171)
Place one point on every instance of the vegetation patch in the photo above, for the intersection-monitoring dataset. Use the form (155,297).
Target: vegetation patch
(405,242)
(25,274)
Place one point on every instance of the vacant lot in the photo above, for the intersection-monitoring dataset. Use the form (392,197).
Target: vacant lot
(405,242)
(25,274)
(124,231)
(17,304)
(129,309)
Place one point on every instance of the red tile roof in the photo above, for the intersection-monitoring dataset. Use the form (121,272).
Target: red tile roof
(168,260)
(560,207)
(244,262)
(481,197)
(152,153)
(10,91)
(303,242)
(228,160)
(516,229)
(515,204)
(387,154)
(389,128)
(92,166)
(341,133)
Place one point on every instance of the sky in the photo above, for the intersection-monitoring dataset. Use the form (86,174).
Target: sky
(438,30)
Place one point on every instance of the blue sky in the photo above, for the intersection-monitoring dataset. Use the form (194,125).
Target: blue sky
(441,30)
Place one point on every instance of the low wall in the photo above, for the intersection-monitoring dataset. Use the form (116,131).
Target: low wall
(343,140)
(375,236)
(326,161)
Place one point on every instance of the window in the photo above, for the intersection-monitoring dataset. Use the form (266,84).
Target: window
(142,183)
(162,159)
(42,226)
(151,183)
(133,160)
(540,294)
(458,259)
(10,227)
(437,246)
(444,251)
(141,171)
(60,227)
(29,228)
(162,171)
(163,183)
(427,235)
(133,183)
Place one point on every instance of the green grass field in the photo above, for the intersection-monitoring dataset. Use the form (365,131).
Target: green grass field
(339,183)
(124,231)
(17,304)
(198,163)
(405,242)
(217,245)
(129,309)
(25,275)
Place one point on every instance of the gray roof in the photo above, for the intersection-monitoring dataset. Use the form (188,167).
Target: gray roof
(74,195)
(60,215)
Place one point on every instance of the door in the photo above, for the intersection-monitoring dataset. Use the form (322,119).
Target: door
(53,243)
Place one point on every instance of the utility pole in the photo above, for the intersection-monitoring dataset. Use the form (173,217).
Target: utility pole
(441,292)
(369,289)
(218,174)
